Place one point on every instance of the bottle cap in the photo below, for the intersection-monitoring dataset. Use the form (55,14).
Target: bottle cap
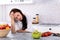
(34,18)
(37,14)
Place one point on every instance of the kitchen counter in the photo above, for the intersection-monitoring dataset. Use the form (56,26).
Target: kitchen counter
(44,28)
(27,36)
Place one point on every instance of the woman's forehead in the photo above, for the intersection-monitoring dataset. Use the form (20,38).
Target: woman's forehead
(16,13)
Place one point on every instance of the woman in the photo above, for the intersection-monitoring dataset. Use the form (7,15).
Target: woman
(18,21)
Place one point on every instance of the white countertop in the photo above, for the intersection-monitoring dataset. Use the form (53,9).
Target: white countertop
(44,28)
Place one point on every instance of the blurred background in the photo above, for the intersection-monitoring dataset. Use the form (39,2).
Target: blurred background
(48,10)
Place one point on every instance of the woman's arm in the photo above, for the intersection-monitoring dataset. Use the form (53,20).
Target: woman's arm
(12,24)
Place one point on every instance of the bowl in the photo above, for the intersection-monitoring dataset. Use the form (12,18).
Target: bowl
(4,33)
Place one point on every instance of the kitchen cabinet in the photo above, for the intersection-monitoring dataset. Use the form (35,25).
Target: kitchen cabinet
(16,1)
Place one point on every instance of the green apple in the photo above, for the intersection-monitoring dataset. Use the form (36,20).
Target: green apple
(36,34)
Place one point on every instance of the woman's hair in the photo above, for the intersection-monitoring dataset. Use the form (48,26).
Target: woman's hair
(24,20)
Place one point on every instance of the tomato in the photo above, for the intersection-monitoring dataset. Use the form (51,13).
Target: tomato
(49,33)
(45,34)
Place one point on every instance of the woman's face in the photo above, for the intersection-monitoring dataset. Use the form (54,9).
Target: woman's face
(17,16)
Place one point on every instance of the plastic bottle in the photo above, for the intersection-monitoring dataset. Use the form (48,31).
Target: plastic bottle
(37,18)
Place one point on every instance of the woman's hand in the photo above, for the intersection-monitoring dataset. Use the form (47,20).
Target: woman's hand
(20,31)
(12,15)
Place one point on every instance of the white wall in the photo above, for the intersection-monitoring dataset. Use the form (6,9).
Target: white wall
(49,10)
(1,13)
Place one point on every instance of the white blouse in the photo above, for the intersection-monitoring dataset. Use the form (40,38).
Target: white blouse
(18,25)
